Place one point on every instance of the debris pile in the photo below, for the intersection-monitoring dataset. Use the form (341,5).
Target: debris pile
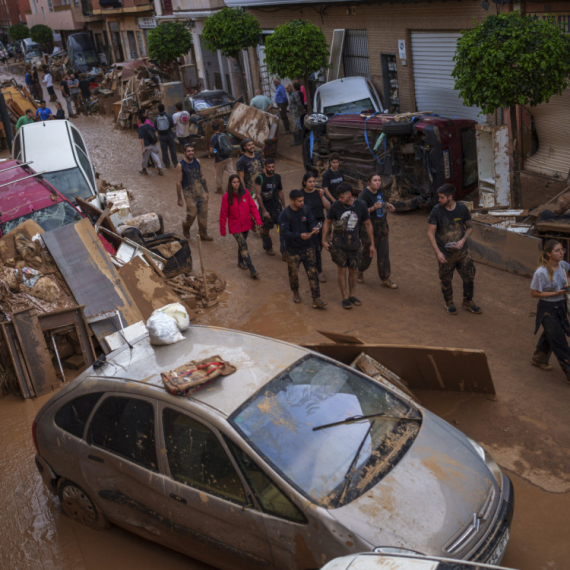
(192,287)
(18,99)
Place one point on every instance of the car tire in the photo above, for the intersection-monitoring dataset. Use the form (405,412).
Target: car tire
(316,122)
(78,506)
(400,128)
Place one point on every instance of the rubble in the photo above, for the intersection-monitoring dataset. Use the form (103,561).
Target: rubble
(18,99)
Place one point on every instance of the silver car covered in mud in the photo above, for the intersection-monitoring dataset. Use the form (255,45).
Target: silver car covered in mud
(287,463)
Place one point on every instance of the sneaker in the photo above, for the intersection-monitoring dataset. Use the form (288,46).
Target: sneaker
(541,365)
(356,302)
(186,234)
(322,278)
(160,172)
(450,308)
(206,238)
(255,275)
(144,171)
(360,277)
(471,306)
(318,303)
(389,284)
(346,304)
(242,265)
(270,251)
(296,297)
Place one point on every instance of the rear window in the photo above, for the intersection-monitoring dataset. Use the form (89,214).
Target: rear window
(70,183)
(49,218)
(72,417)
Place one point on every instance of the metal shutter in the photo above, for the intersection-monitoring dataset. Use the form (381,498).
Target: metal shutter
(551,121)
(432,54)
(336,53)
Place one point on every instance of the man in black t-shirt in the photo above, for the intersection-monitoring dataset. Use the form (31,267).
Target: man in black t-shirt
(222,157)
(378,208)
(296,226)
(345,217)
(332,177)
(249,165)
(449,228)
(269,192)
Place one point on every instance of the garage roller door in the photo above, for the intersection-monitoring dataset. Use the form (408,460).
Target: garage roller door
(432,54)
(552,122)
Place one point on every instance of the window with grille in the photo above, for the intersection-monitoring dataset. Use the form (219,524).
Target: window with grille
(355,57)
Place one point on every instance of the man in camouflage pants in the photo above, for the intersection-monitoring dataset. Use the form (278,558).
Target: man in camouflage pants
(191,182)
(296,225)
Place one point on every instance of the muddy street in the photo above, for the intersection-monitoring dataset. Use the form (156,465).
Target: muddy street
(524,426)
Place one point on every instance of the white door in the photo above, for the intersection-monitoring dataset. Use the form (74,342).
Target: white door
(432,54)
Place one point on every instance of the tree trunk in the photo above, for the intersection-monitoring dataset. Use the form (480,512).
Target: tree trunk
(309,102)
(516,192)
(241,75)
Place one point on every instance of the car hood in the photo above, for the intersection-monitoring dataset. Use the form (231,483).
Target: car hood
(428,498)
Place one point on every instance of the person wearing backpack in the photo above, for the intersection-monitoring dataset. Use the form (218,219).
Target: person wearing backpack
(181,121)
(163,124)
(149,140)
(221,147)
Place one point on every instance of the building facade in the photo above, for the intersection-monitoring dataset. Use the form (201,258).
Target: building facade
(9,15)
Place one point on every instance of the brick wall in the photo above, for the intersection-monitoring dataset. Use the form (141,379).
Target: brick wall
(385,25)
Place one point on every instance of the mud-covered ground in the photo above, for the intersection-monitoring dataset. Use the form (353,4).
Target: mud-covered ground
(524,427)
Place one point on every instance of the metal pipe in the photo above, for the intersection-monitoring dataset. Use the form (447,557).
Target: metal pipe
(57,354)
(17,166)
(6,122)
(25,178)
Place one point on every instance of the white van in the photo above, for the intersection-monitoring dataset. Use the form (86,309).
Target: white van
(57,149)
(31,50)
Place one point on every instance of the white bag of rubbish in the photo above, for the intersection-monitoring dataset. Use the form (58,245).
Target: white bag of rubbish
(178,313)
(162,329)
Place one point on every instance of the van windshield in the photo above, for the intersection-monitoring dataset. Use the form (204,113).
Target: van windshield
(88,57)
(70,183)
(48,219)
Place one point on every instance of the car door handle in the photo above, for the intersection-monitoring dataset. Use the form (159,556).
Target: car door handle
(178,498)
(96,458)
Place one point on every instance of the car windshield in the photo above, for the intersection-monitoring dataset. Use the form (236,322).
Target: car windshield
(88,57)
(212,101)
(70,183)
(49,218)
(34,53)
(279,422)
(352,107)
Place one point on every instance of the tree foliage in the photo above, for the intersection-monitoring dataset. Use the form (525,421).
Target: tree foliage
(230,30)
(168,41)
(296,49)
(19,32)
(511,59)
(42,34)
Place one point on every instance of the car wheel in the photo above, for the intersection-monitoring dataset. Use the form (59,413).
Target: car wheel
(400,128)
(316,122)
(78,506)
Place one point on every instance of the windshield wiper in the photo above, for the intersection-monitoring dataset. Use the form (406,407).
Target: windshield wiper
(350,472)
(359,418)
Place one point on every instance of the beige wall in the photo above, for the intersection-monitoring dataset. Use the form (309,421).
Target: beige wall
(61,20)
(386,24)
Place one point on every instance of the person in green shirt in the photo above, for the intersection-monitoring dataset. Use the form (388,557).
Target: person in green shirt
(24,120)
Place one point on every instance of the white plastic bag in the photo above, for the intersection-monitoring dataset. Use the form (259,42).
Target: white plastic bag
(162,329)
(178,313)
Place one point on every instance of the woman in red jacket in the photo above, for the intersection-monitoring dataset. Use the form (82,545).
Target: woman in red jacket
(240,211)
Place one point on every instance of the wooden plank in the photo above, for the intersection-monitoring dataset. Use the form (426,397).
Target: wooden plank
(92,277)
(422,367)
(147,289)
(505,250)
(35,351)
(15,351)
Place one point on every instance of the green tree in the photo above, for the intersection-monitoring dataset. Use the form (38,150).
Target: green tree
(230,30)
(168,41)
(510,60)
(296,49)
(42,35)
(19,32)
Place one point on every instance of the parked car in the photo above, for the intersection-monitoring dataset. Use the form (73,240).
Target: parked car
(58,150)
(347,95)
(26,196)
(31,50)
(289,462)
(403,561)
(211,104)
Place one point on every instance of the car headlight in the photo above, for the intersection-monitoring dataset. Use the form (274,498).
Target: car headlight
(489,461)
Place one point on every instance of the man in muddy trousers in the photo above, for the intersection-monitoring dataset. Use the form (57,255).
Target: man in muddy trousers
(378,209)
(449,227)
(269,192)
(191,182)
(296,225)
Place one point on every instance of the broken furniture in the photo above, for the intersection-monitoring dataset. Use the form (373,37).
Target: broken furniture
(261,127)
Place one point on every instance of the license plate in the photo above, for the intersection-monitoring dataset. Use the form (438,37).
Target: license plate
(497,554)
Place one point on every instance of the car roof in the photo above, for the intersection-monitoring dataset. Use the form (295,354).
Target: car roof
(257,360)
(48,144)
(21,198)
